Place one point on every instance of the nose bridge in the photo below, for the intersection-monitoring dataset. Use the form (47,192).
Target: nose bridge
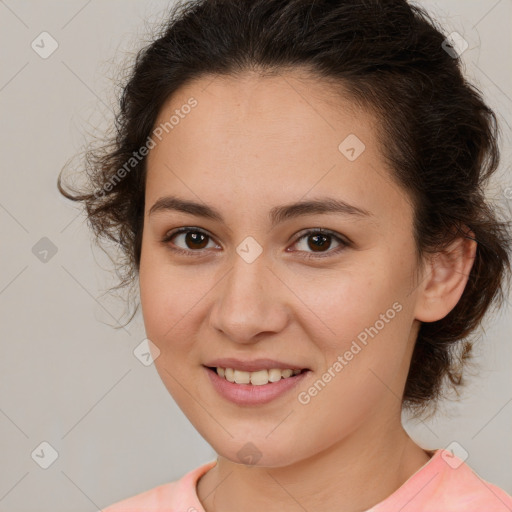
(247,302)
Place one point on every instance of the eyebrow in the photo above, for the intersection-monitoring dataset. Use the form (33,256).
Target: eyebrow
(278,214)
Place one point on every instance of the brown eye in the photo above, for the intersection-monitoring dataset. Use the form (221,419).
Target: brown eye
(195,240)
(187,240)
(320,241)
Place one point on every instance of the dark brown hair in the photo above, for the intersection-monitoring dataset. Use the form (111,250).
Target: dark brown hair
(437,134)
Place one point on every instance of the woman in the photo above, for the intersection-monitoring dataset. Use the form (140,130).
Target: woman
(297,188)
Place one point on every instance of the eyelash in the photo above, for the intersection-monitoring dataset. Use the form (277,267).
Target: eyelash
(343,243)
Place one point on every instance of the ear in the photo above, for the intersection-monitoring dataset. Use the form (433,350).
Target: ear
(445,276)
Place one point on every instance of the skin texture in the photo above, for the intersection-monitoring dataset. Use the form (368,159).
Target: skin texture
(250,144)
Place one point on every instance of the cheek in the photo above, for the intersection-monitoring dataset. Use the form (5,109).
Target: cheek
(154,294)
(365,313)
(352,302)
(164,297)
(167,309)
(173,308)
(364,362)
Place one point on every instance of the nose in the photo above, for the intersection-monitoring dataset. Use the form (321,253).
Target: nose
(250,301)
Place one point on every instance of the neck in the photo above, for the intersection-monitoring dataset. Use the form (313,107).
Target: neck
(353,475)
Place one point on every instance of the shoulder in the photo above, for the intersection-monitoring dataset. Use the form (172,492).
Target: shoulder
(150,500)
(446,483)
(467,490)
(177,495)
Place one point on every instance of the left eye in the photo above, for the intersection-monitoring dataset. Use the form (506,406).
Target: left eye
(320,240)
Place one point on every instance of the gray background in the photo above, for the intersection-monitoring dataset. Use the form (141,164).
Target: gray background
(69,378)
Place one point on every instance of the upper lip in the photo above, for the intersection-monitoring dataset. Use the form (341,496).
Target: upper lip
(252,365)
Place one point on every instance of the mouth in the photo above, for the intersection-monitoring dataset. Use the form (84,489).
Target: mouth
(255,378)
(257,387)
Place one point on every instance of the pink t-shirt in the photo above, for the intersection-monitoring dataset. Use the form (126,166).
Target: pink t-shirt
(444,484)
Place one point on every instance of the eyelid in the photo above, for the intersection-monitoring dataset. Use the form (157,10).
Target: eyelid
(185,229)
(323,231)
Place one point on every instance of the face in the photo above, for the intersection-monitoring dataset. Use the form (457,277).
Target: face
(330,293)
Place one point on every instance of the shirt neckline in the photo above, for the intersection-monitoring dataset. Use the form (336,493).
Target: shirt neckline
(421,477)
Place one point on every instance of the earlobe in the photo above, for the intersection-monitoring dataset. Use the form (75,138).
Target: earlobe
(446,274)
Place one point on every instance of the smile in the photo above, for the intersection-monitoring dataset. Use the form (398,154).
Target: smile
(251,388)
(256,378)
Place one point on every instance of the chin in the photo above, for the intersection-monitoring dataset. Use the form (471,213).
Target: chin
(264,453)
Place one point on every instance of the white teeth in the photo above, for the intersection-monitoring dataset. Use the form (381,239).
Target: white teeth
(257,378)
(274,375)
(242,377)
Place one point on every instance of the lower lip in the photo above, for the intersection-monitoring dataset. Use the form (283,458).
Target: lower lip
(249,394)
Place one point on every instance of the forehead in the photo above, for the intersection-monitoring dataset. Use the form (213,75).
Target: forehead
(272,136)
(266,113)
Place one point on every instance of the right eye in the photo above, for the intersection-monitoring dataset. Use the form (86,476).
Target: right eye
(194,239)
